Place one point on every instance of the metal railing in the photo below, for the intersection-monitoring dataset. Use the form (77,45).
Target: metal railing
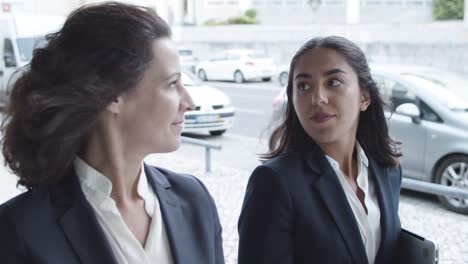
(433,188)
(208,146)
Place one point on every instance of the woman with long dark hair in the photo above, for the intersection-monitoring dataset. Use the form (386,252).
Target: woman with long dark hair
(104,92)
(328,191)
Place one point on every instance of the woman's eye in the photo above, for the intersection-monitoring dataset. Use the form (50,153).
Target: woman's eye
(334,82)
(303,86)
(173,84)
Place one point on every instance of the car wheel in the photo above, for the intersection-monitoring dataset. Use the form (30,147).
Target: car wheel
(239,77)
(283,78)
(202,75)
(217,132)
(453,171)
(266,79)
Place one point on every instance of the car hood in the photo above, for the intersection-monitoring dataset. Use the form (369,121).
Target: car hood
(205,95)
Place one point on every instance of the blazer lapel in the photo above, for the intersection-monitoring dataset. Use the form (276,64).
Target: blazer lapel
(174,220)
(329,188)
(79,224)
(382,188)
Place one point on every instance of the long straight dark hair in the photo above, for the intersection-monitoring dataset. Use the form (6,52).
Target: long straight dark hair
(372,131)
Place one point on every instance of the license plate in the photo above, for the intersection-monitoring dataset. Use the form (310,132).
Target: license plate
(207,118)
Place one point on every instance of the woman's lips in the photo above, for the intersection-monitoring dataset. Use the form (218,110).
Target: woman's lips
(179,124)
(322,117)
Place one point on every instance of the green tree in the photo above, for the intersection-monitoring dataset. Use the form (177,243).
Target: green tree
(252,13)
(448,9)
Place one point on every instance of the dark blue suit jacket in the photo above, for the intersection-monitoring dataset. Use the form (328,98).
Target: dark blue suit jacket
(295,211)
(57,224)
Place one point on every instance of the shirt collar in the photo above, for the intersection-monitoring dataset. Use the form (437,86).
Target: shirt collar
(361,158)
(361,155)
(97,187)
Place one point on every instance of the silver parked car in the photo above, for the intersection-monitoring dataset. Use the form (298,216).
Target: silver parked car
(430,118)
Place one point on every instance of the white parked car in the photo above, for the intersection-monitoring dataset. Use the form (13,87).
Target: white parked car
(213,111)
(237,65)
(283,74)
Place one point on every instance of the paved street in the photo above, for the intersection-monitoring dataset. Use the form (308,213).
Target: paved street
(253,102)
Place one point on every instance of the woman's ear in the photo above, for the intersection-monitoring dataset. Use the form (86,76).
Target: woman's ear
(365,100)
(116,105)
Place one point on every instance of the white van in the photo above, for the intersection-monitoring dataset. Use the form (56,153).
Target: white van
(19,35)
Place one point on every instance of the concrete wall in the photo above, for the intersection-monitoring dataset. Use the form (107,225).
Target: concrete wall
(443,45)
(282,15)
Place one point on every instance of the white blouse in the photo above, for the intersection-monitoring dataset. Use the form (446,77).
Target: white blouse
(125,246)
(369,223)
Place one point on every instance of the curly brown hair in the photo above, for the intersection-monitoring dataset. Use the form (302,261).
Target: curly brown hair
(100,52)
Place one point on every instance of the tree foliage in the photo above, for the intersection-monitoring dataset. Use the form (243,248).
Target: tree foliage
(448,9)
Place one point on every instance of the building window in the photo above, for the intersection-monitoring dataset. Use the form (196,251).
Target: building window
(215,2)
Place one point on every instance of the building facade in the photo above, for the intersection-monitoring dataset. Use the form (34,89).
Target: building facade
(171,11)
(272,12)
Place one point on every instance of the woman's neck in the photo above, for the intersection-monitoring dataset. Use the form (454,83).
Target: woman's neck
(106,153)
(343,152)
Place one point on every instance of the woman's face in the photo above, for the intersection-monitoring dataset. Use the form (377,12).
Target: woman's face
(153,112)
(326,96)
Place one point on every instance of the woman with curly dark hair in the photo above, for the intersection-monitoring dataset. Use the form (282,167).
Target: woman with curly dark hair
(104,92)
(329,189)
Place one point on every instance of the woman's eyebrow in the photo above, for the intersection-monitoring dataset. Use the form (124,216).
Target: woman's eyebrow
(303,75)
(178,74)
(333,71)
(329,72)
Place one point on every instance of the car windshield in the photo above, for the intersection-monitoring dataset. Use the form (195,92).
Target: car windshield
(185,52)
(446,87)
(256,55)
(189,79)
(26,46)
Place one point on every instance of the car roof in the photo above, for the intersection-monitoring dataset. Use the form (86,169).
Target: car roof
(398,69)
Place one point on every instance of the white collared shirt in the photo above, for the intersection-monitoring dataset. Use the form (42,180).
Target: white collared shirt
(125,246)
(369,224)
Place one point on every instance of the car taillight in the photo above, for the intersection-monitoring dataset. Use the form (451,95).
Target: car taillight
(249,63)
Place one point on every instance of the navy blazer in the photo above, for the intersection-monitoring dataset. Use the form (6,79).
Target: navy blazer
(295,211)
(57,225)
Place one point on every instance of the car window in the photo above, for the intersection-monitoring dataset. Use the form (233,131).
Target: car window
(26,46)
(185,52)
(233,56)
(428,114)
(9,53)
(256,55)
(447,91)
(397,92)
(219,57)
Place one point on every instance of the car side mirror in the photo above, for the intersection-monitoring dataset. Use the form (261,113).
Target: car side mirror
(410,110)
(9,59)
